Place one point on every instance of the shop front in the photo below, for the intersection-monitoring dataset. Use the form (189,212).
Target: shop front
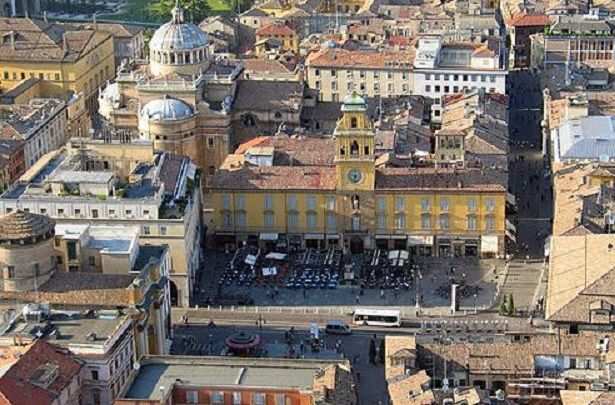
(314,240)
(419,245)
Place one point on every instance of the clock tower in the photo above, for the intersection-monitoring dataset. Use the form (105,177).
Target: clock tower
(354,141)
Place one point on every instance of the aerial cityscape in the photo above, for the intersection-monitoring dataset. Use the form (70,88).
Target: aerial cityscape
(307,202)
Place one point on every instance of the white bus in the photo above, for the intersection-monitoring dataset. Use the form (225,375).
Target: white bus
(377,317)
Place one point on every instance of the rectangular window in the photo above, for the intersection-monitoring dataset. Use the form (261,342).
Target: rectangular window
(573,363)
(489,223)
(400,203)
(310,202)
(240,202)
(381,220)
(444,204)
(425,204)
(236,398)
(292,202)
(331,203)
(269,219)
(111,212)
(400,221)
(146,230)
(311,219)
(427,88)
(226,201)
(217,398)
(92,261)
(317,72)
(293,219)
(268,201)
(280,399)
(77,211)
(333,73)
(94,374)
(71,248)
(490,204)
(381,204)
(258,398)
(192,397)
(240,218)
(444,221)
(472,205)
(471,222)
(163,230)
(128,213)
(425,221)
(331,221)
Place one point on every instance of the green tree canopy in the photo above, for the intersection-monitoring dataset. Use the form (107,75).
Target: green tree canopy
(195,10)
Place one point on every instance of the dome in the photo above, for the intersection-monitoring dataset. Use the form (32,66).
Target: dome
(166,109)
(177,35)
(20,225)
(354,102)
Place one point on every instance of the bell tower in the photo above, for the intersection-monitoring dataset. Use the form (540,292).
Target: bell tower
(354,141)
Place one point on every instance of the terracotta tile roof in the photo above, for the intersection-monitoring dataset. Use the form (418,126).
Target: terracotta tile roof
(395,346)
(427,178)
(579,267)
(17,386)
(275,29)
(275,178)
(40,41)
(264,66)
(398,40)
(333,57)
(512,358)
(408,389)
(529,20)
(574,397)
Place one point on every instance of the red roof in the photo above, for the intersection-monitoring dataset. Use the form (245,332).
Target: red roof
(16,386)
(530,20)
(275,29)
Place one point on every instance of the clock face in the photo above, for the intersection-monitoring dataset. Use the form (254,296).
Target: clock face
(354,175)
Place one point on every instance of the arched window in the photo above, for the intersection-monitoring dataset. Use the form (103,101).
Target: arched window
(366,150)
(342,151)
(172,58)
(354,123)
(354,148)
(356,204)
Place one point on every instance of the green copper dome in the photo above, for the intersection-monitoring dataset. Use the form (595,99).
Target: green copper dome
(354,102)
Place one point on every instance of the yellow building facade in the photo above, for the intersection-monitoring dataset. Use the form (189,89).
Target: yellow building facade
(66,59)
(355,205)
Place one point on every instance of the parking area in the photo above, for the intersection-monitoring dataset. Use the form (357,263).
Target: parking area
(312,277)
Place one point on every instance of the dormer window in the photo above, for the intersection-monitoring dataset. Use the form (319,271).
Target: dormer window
(354,148)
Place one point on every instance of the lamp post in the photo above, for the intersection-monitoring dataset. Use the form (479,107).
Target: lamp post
(475,309)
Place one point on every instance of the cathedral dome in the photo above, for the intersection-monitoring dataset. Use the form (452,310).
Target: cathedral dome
(177,35)
(166,109)
(354,102)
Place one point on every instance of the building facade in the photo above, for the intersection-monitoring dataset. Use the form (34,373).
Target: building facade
(69,59)
(441,69)
(41,124)
(337,73)
(340,198)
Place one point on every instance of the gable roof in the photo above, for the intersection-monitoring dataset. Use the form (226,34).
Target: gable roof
(529,20)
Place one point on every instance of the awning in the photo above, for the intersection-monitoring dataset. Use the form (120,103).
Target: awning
(382,237)
(313,236)
(268,236)
(489,244)
(276,256)
(510,226)
(399,237)
(511,235)
(511,199)
(333,236)
(420,240)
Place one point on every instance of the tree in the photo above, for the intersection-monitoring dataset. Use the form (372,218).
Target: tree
(372,351)
(195,10)
(511,305)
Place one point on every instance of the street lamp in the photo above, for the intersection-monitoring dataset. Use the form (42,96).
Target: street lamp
(475,309)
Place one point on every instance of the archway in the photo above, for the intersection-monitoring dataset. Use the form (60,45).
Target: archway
(356,245)
(174,295)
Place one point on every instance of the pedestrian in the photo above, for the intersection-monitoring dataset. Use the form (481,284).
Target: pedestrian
(382,293)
